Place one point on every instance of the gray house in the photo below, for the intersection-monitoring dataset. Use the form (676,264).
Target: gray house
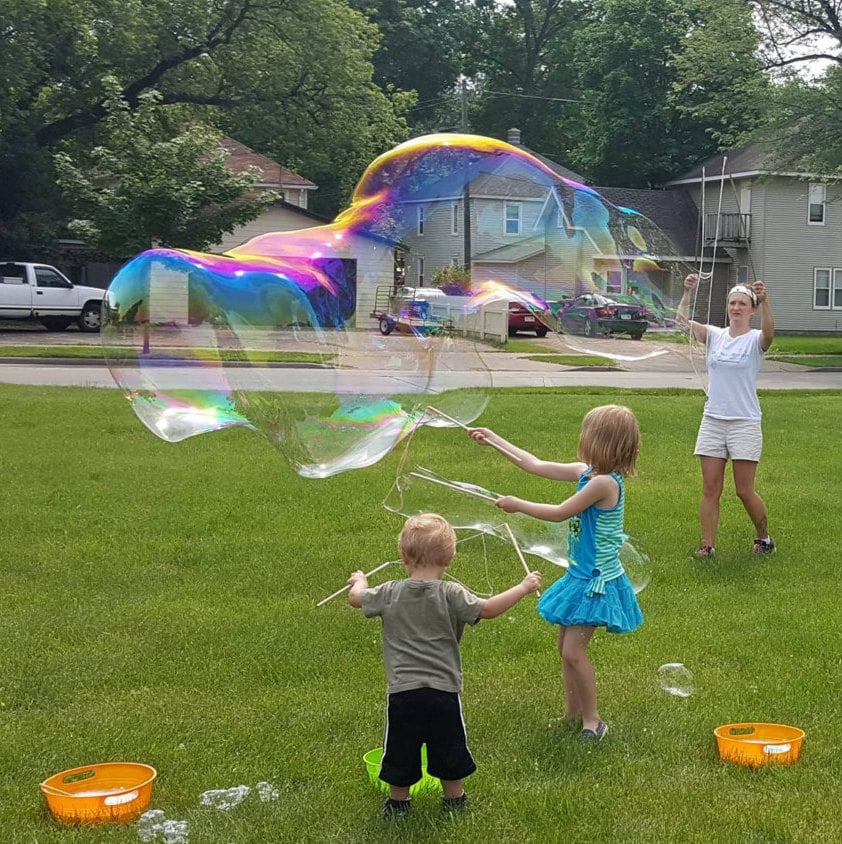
(782,226)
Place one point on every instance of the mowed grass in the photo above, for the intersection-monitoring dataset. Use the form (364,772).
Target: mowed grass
(159,605)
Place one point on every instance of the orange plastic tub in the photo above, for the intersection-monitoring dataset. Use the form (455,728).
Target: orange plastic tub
(759,744)
(111,792)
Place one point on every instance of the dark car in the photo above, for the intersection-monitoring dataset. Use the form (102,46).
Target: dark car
(522,318)
(592,314)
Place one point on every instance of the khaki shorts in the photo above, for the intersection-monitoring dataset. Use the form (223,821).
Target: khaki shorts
(739,439)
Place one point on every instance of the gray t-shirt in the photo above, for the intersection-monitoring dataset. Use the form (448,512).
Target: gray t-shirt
(423,622)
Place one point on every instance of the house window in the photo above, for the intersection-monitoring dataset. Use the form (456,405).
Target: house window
(821,288)
(454,218)
(836,301)
(422,216)
(420,271)
(512,218)
(742,275)
(815,209)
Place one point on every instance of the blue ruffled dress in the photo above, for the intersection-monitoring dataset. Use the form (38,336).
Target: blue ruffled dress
(595,592)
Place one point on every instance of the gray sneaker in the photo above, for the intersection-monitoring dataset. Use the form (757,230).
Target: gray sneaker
(595,735)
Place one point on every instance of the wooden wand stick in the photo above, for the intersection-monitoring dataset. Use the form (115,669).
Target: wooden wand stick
(347,586)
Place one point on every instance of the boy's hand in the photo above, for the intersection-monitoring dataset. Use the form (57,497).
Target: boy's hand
(508,503)
(358,578)
(532,582)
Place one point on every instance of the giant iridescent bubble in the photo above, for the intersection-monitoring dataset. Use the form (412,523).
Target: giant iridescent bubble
(310,337)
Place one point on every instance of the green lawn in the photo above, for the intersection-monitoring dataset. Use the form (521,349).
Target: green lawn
(159,606)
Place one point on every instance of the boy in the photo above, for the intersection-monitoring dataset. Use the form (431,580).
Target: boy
(423,618)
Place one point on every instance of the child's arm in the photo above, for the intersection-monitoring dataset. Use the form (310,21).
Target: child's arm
(498,604)
(358,582)
(526,460)
(601,490)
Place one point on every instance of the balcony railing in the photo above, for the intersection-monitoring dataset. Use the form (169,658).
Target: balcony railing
(728,228)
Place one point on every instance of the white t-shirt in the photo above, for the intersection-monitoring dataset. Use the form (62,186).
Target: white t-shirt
(733,366)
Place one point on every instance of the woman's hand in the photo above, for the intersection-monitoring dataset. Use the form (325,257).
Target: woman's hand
(691,281)
(759,289)
(481,435)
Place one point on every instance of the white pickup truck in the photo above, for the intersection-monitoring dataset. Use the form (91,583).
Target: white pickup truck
(40,292)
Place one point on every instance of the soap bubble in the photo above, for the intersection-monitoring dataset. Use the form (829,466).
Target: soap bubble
(470,507)
(637,565)
(365,351)
(675,679)
(224,798)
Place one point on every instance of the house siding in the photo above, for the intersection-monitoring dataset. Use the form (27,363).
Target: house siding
(273,219)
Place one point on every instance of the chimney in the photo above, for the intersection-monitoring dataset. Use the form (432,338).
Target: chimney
(513,137)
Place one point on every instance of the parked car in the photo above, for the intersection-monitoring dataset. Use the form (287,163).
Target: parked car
(522,318)
(42,293)
(593,313)
(655,310)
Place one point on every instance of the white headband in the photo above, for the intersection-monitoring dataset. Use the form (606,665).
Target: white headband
(746,291)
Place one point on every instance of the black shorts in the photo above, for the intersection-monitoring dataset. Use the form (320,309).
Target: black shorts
(431,717)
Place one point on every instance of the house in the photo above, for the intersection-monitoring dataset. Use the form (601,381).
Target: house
(545,231)
(288,213)
(776,224)
(735,217)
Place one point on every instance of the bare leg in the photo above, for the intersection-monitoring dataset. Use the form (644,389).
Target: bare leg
(398,792)
(578,667)
(713,477)
(452,788)
(572,708)
(744,474)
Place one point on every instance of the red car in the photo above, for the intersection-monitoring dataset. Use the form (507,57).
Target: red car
(592,313)
(522,318)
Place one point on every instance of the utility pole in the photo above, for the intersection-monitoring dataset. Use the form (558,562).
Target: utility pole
(466,194)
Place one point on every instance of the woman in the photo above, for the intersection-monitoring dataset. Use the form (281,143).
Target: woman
(730,425)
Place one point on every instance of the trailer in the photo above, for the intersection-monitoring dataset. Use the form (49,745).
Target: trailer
(398,309)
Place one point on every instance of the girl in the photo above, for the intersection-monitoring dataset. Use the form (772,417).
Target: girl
(595,592)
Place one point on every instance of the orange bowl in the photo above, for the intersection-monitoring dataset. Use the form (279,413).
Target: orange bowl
(759,744)
(111,792)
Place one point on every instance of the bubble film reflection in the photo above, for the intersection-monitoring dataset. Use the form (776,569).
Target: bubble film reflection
(313,338)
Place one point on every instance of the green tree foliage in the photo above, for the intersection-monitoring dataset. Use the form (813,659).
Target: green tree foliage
(720,87)
(667,83)
(453,280)
(141,186)
(522,63)
(292,78)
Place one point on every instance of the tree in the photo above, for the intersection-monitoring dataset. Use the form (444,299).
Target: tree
(293,72)
(141,186)
(720,86)
(800,31)
(521,61)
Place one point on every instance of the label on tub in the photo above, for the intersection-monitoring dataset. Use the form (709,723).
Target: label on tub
(777,748)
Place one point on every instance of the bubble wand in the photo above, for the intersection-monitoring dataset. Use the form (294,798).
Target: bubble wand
(500,448)
(519,554)
(347,586)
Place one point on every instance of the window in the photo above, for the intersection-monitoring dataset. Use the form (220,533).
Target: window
(511,224)
(454,218)
(821,288)
(836,301)
(742,275)
(49,278)
(420,271)
(422,216)
(816,204)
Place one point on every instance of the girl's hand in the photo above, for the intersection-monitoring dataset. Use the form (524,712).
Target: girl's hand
(480,435)
(508,503)
(691,281)
(532,582)
(759,289)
